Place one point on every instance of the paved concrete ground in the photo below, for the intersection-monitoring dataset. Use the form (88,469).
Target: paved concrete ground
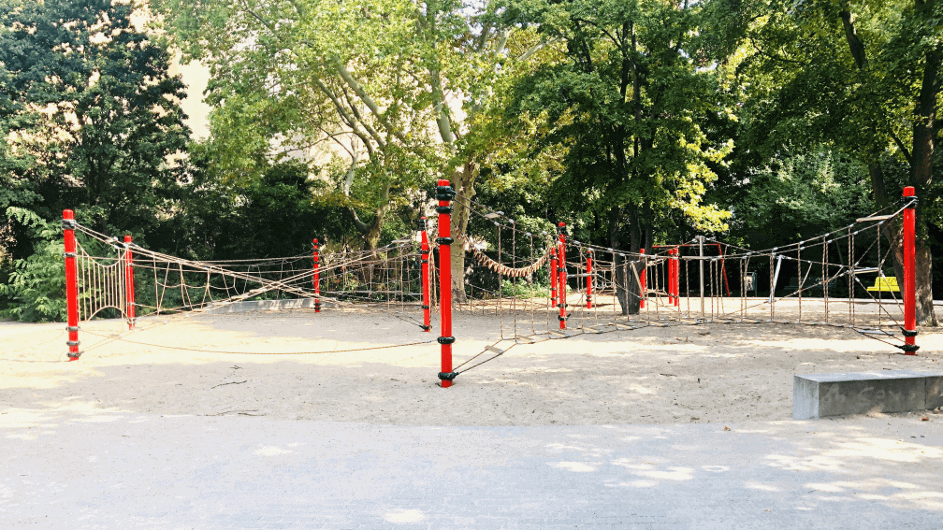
(80,469)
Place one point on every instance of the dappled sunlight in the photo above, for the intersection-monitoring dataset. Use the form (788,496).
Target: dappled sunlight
(404,516)
(576,467)
(894,450)
(759,486)
(271,450)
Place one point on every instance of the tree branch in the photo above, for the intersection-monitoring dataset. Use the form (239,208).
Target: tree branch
(364,97)
(855,46)
(903,149)
(617,42)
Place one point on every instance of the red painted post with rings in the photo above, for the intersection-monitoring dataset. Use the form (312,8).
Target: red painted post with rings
(129,282)
(561,275)
(71,285)
(317,277)
(677,282)
(910,273)
(589,279)
(445,194)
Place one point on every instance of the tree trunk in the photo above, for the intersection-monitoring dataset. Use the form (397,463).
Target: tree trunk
(463,181)
(921,158)
(371,234)
(922,177)
(925,314)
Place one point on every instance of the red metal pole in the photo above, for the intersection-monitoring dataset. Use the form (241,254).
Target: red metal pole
(643,281)
(445,194)
(910,274)
(129,281)
(553,277)
(317,278)
(561,276)
(426,327)
(589,279)
(670,287)
(677,282)
(71,285)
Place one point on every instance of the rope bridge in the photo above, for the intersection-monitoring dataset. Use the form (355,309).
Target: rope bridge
(539,286)
(592,289)
(135,281)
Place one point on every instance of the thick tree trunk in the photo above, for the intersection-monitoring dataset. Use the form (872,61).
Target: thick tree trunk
(628,291)
(922,177)
(920,159)
(371,234)
(463,181)
(925,313)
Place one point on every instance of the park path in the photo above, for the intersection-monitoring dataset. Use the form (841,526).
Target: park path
(91,469)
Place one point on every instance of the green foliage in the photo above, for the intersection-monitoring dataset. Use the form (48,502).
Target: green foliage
(110,116)
(522,289)
(276,212)
(35,290)
(625,101)
(90,119)
(796,196)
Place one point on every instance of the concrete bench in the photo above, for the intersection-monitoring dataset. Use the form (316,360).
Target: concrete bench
(265,305)
(820,395)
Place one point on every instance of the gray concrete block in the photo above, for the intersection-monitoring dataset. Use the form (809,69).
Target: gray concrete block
(934,392)
(266,305)
(820,395)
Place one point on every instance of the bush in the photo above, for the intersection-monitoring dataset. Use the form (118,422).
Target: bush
(35,290)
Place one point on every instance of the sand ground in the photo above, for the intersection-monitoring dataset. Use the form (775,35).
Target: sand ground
(176,365)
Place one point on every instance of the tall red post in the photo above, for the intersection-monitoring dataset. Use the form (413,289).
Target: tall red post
(71,285)
(910,274)
(643,280)
(317,277)
(424,250)
(553,277)
(444,194)
(589,279)
(669,285)
(677,280)
(561,275)
(129,282)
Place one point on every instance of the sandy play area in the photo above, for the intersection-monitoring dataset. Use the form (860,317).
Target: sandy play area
(180,365)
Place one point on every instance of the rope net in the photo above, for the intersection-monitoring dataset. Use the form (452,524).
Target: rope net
(386,279)
(537,285)
(844,279)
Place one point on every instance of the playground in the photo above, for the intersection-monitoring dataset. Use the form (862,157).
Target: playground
(356,371)
(684,426)
(329,381)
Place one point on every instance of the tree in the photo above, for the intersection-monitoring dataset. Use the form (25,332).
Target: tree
(799,195)
(104,108)
(864,75)
(390,83)
(628,101)
(91,118)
